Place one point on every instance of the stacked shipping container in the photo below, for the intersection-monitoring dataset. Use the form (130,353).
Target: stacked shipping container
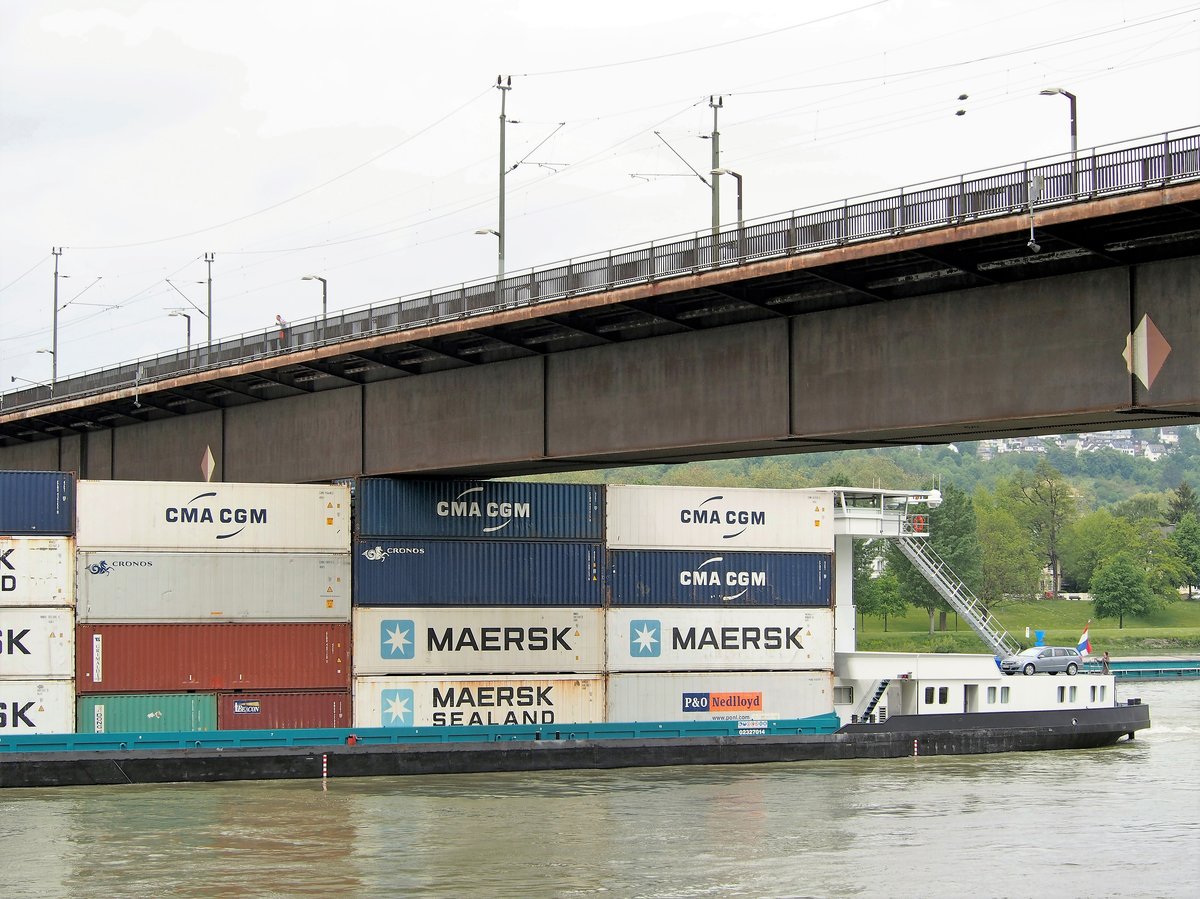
(37,621)
(212,606)
(229,606)
(720,603)
(477,603)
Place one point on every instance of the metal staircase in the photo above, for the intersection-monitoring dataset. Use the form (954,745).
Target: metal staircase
(879,691)
(958,595)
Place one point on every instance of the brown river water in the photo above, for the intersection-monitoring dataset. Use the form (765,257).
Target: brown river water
(1123,821)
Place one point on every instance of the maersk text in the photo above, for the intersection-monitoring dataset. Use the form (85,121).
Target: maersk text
(729,638)
(498,639)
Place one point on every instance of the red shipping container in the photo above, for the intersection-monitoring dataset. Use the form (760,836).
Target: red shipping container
(268,711)
(159,658)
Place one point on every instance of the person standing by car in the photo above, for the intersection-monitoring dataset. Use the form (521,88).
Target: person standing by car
(1104,662)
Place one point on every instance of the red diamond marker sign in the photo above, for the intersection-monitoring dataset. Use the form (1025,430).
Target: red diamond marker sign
(1145,351)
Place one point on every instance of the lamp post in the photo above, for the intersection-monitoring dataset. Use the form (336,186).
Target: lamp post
(504,87)
(324,298)
(1050,92)
(738,179)
(53,368)
(179,313)
(57,251)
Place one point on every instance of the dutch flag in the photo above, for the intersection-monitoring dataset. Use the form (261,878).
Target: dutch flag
(1085,643)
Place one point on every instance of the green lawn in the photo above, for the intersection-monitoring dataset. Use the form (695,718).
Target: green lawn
(1173,629)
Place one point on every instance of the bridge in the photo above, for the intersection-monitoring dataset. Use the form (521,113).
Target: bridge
(1054,296)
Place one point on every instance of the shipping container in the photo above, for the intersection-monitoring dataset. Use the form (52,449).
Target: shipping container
(724,518)
(37,707)
(502,510)
(752,695)
(37,644)
(431,701)
(37,571)
(37,502)
(154,658)
(269,711)
(121,586)
(678,639)
(177,515)
(146,713)
(478,640)
(674,578)
(483,573)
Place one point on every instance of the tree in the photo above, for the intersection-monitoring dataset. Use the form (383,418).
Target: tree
(881,597)
(1119,588)
(1184,501)
(1187,547)
(1009,563)
(1050,504)
(953,536)
(1092,539)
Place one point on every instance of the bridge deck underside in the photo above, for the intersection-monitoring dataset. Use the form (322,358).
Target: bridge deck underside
(954,334)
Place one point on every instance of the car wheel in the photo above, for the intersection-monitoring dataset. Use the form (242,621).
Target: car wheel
(1029,669)
(1072,668)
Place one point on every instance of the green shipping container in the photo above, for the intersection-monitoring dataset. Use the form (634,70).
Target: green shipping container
(146,713)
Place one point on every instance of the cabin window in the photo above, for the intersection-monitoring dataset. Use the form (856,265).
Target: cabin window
(1102,689)
(1003,695)
(1072,694)
(1062,694)
(843,696)
(943,695)
(929,696)
(1093,694)
(991,696)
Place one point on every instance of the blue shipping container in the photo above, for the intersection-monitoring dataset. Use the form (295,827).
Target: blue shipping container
(698,578)
(37,503)
(474,572)
(478,510)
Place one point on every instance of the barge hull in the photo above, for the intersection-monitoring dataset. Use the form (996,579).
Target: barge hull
(896,738)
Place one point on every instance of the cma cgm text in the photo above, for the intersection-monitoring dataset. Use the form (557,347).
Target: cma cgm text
(185,515)
(468,509)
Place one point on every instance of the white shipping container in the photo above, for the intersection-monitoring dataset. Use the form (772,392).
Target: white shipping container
(431,701)
(746,695)
(179,515)
(715,639)
(37,644)
(37,571)
(724,518)
(37,707)
(478,640)
(116,586)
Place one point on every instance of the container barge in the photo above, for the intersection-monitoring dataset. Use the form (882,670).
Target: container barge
(239,631)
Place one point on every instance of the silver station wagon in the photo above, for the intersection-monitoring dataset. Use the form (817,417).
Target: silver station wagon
(1048,659)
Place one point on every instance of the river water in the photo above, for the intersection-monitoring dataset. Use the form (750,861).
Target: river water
(1122,820)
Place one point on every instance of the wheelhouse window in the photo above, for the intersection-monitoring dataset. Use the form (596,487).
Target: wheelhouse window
(843,695)
(943,695)
(991,695)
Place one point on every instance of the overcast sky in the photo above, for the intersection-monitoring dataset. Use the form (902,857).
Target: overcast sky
(359,140)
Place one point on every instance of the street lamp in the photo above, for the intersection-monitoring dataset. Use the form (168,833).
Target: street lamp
(324,298)
(740,220)
(179,313)
(1050,92)
(53,368)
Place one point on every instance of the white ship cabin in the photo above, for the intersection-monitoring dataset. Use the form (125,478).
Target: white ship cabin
(874,685)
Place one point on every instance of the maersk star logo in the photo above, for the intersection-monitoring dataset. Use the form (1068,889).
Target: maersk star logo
(644,642)
(397,708)
(396,638)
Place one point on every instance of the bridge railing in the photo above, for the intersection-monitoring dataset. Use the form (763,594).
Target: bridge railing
(1116,168)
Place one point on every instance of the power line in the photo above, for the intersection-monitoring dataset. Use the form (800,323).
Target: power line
(739,40)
